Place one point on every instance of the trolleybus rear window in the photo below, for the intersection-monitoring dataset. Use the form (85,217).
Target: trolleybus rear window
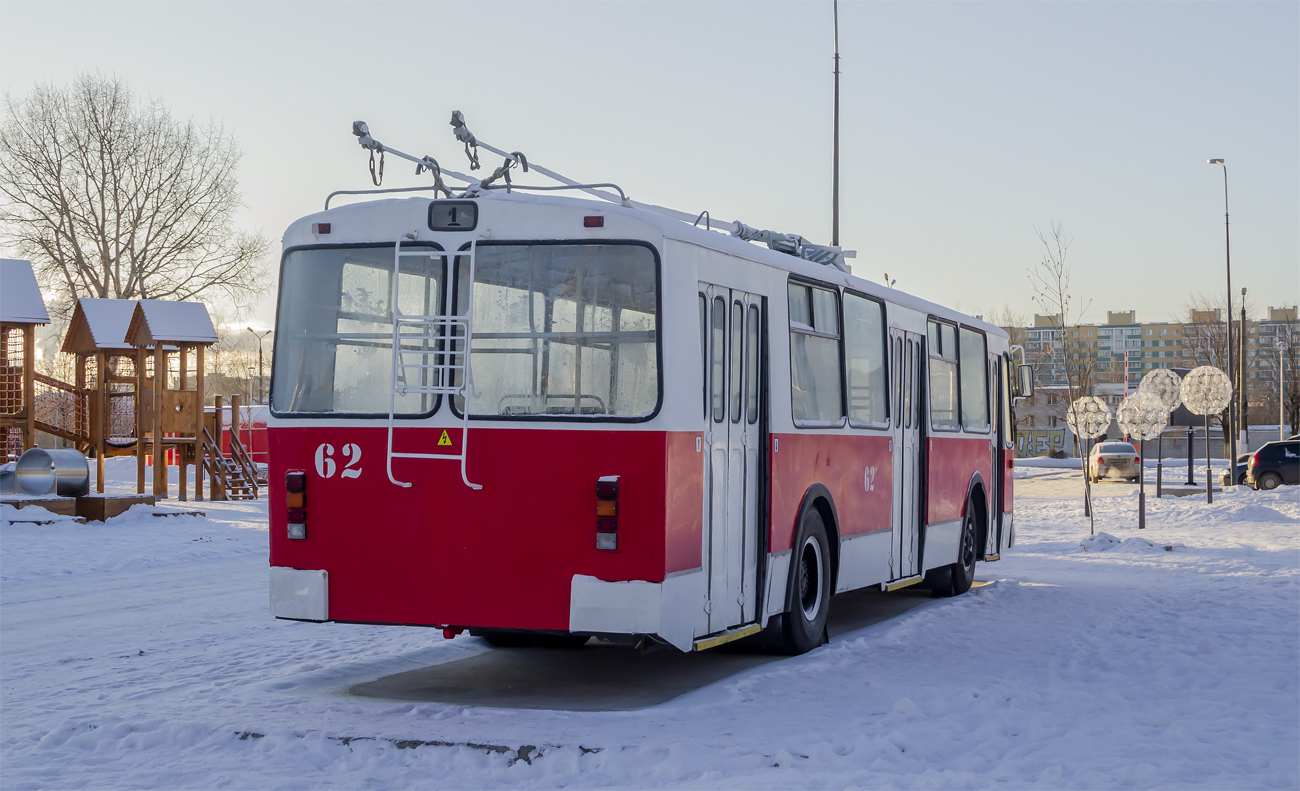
(334,339)
(562,329)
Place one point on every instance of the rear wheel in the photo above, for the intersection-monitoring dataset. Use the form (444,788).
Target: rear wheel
(507,639)
(956,578)
(1269,480)
(810,597)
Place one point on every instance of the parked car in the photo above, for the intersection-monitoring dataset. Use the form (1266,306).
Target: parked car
(1114,460)
(1274,464)
(1242,462)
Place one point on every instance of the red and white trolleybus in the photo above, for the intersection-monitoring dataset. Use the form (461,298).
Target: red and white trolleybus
(541,417)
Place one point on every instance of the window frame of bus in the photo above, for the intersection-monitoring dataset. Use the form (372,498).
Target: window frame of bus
(808,282)
(984,368)
(1008,412)
(885,362)
(453,295)
(442,306)
(955,360)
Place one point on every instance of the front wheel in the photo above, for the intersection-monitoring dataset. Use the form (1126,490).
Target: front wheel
(810,597)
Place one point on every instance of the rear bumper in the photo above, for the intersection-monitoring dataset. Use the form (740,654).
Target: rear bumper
(300,594)
(594,606)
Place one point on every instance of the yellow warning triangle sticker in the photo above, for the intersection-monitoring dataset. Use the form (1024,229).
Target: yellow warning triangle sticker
(446,440)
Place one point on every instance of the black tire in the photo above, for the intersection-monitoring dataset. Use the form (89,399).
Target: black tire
(804,626)
(561,641)
(1269,481)
(507,639)
(956,578)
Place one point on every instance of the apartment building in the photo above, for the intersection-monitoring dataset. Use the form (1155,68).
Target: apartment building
(1123,350)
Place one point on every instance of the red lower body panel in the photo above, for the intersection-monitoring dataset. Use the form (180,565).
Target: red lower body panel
(441,553)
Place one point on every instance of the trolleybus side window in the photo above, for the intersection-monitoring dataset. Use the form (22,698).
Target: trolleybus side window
(751,365)
(974,381)
(737,357)
(815,373)
(334,346)
(719,358)
(864,353)
(943,377)
(704,352)
(562,329)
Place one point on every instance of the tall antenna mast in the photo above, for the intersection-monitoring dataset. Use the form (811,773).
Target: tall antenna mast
(835,145)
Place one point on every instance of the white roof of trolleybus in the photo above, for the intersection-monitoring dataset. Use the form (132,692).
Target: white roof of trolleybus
(388,219)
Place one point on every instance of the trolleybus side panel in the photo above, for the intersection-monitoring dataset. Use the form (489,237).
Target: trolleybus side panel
(684,490)
(855,468)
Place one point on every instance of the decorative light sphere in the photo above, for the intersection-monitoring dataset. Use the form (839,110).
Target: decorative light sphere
(1165,385)
(1088,417)
(1142,415)
(1206,390)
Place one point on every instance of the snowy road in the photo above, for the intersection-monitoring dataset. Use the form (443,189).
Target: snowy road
(140,653)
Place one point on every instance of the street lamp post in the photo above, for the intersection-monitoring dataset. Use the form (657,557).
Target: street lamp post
(1227,250)
(261,390)
(1281,388)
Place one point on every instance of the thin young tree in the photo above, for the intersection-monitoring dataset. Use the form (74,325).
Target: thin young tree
(1050,280)
(111,196)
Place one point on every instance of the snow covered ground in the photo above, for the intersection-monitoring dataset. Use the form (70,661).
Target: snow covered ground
(140,653)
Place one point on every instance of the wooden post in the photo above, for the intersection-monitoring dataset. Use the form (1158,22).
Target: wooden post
(102,424)
(140,357)
(181,449)
(198,425)
(234,423)
(218,484)
(29,384)
(159,453)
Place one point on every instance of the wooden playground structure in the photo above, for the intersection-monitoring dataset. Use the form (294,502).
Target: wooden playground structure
(138,390)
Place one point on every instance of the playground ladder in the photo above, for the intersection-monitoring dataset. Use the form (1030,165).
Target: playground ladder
(442,332)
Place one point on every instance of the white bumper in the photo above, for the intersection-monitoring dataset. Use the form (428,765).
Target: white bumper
(299,594)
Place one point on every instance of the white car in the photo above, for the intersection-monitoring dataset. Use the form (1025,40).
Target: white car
(1111,460)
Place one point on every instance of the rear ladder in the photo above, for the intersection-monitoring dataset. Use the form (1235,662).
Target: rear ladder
(446,330)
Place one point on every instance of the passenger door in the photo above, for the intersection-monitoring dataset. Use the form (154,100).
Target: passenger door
(905,366)
(734,387)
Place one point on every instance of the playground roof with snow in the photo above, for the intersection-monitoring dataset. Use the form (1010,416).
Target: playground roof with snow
(20,297)
(156,320)
(99,325)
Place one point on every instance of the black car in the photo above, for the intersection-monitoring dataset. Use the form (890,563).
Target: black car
(1242,462)
(1274,464)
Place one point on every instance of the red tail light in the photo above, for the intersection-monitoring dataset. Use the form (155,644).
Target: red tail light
(607,513)
(1254,460)
(1137,459)
(295,500)
(1101,460)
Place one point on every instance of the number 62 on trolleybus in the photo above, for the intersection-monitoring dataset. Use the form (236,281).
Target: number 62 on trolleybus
(543,418)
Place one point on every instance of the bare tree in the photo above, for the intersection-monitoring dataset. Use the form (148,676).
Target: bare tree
(1205,342)
(1050,279)
(110,197)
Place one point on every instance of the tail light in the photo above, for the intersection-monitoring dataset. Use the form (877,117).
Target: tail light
(1254,459)
(1101,460)
(607,513)
(1137,459)
(295,501)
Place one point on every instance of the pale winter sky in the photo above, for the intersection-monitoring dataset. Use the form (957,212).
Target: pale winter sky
(965,125)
